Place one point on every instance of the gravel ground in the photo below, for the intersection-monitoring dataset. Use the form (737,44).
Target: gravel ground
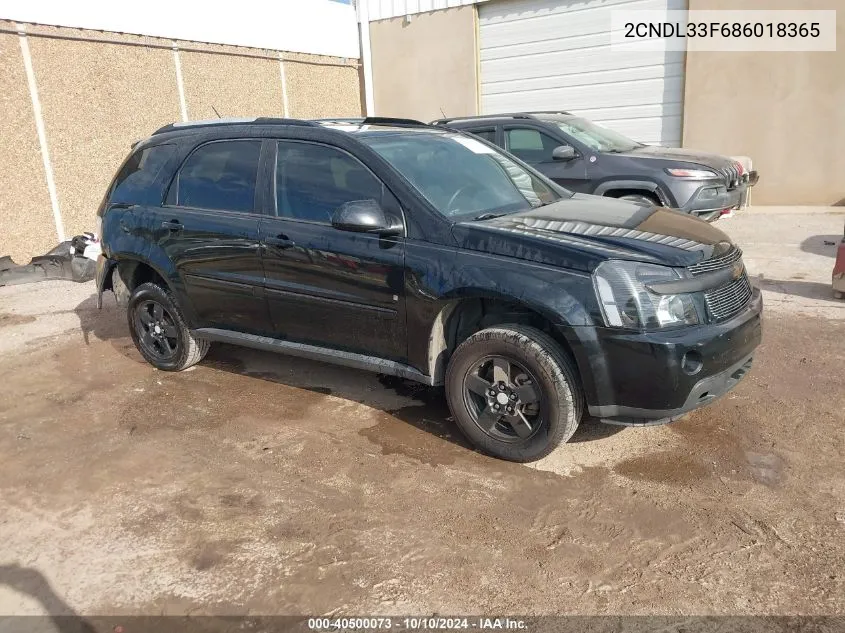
(260,484)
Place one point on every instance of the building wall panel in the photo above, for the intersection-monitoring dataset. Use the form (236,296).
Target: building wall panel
(97,99)
(425,68)
(329,87)
(235,86)
(26,218)
(784,110)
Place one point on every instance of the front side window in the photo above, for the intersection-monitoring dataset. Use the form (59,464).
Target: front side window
(531,145)
(219,175)
(459,175)
(312,181)
(596,137)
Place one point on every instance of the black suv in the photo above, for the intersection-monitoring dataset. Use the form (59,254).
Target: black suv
(588,158)
(431,255)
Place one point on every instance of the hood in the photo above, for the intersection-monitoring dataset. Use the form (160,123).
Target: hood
(675,154)
(582,231)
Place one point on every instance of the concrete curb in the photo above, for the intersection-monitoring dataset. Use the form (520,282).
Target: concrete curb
(778,210)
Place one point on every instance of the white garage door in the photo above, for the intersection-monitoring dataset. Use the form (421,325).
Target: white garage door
(556,55)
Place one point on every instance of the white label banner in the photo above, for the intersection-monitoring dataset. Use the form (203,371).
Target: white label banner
(729,30)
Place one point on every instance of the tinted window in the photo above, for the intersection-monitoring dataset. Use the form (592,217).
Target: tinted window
(218,176)
(487,135)
(460,175)
(531,145)
(139,173)
(596,136)
(312,181)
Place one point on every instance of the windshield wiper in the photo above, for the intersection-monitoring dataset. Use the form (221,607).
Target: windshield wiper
(488,216)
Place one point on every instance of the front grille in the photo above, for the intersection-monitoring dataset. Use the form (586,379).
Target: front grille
(728,300)
(731,176)
(717,263)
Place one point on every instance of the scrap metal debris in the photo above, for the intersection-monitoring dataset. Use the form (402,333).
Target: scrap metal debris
(74,259)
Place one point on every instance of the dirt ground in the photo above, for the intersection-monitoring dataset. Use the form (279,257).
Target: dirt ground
(260,484)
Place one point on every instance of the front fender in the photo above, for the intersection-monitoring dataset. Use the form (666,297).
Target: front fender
(635,185)
(438,280)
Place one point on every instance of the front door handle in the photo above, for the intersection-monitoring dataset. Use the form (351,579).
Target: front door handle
(172,225)
(282,241)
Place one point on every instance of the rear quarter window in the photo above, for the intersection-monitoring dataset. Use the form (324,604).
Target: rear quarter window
(134,182)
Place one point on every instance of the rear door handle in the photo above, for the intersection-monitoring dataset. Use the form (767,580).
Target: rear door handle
(173,225)
(282,241)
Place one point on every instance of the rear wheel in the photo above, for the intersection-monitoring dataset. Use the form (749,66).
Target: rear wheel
(513,392)
(159,330)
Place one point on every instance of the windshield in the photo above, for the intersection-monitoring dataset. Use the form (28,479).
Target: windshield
(597,137)
(460,175)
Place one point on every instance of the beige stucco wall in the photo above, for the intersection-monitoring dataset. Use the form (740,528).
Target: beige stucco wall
(784,110)
(97,98)
(425,67)
(326,87)
(233,85)
(26,219)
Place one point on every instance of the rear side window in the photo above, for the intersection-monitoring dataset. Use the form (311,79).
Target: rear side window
(531,145)
(312,181)
(219,175)
(488,135)
(133,182)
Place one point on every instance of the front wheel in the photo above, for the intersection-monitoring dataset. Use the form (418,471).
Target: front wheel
(160,332)
(513,392)
(640,199)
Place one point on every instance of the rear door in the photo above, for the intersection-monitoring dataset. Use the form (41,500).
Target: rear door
(535,147)
(208,227)
(326,286)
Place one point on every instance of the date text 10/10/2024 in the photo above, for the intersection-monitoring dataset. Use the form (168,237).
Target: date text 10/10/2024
(414,623)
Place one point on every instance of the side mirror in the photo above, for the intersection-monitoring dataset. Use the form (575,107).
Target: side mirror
(364,216)
(563,152)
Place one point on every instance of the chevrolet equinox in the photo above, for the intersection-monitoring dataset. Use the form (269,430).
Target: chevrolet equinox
(428,254)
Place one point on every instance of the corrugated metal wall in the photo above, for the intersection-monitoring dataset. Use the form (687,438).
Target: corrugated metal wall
(384,9)
(556,54)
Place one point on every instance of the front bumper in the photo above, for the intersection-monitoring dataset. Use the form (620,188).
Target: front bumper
(707,205)
(647,378)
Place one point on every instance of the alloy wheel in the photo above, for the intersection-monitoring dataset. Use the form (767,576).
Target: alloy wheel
(504,399)
(156,329)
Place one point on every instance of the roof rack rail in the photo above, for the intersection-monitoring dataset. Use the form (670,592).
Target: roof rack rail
(371,120)
(187,125)
(504,115)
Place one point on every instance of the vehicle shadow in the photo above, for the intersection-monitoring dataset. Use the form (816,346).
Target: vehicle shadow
(31,582)
(108,323)
(798,288)
(824,245)
(418,405)
(415,404)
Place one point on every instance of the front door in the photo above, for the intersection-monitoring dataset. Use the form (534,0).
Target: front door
(326,286)
(208,227)
(535,148)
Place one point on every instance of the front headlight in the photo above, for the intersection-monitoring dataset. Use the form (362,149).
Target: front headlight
(627,302)
(693,174)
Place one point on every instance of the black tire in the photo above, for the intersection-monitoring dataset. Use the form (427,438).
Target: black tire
(644,200)
(159,330)
(551,376)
